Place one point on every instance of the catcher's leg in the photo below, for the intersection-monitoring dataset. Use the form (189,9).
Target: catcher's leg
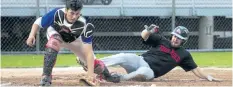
(51,51)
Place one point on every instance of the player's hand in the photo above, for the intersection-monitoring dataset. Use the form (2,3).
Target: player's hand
(31,41)
(210,78)
(152,28)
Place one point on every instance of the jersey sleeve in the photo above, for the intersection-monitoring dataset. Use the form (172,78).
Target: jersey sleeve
(153,39)
(188,63)
(48,19)
(86,40)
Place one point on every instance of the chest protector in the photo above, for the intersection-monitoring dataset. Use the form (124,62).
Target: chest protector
(69,32)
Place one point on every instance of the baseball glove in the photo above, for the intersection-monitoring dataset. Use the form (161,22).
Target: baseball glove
(88,81)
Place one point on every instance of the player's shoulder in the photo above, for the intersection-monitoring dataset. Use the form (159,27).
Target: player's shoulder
(82,19)
(183,49)
(185,52)
(56,9)
(59,10)
(56,12)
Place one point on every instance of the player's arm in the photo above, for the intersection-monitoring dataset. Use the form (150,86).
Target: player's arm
(89,54)
(41,22)
(148,31)
(35,27)
(90,58)
(31,37)
(150,35)
(199,73)
(188,64)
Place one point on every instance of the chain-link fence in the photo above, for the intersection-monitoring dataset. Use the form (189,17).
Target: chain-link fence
(114,32)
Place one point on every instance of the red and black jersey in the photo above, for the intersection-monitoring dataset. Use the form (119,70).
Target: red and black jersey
(162,57)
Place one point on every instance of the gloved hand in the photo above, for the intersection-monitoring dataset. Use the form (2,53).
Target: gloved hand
(152,28)
(98,66)
(88,81)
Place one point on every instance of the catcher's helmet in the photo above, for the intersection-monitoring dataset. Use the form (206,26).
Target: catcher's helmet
(182,33)
(74,5)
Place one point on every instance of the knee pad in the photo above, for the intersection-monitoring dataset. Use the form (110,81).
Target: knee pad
(54,42)
(102,70)
(99,66)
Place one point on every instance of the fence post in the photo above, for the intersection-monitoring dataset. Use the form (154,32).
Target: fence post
(38,32)
(122,9)
(206,30)
(193,8)
(173,14)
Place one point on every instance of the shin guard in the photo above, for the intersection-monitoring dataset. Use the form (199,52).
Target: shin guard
(51,51)
(49,61)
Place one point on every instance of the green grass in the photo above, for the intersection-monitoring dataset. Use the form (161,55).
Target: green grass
(216,59)
(203,59)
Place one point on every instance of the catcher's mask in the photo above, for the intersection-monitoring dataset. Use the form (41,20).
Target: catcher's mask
(182,33)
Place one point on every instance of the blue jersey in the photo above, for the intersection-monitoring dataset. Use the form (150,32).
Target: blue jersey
(76,28)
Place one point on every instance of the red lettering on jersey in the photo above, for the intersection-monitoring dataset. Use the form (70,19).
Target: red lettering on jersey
(164,49)
(175,56)
(172,52)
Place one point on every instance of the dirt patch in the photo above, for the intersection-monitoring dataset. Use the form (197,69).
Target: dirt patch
(70,76)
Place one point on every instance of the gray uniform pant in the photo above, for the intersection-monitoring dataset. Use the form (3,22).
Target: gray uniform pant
(132,63)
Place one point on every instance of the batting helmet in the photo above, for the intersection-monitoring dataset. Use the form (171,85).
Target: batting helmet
(182,33)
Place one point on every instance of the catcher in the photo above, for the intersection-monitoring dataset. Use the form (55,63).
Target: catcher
(163,56)
(67,28)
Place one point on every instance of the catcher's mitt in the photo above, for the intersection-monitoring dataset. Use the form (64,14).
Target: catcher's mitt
(88,81)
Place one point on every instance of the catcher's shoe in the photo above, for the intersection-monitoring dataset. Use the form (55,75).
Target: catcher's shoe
(46,80)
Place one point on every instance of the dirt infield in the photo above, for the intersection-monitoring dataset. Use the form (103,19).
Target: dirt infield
(69,77)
